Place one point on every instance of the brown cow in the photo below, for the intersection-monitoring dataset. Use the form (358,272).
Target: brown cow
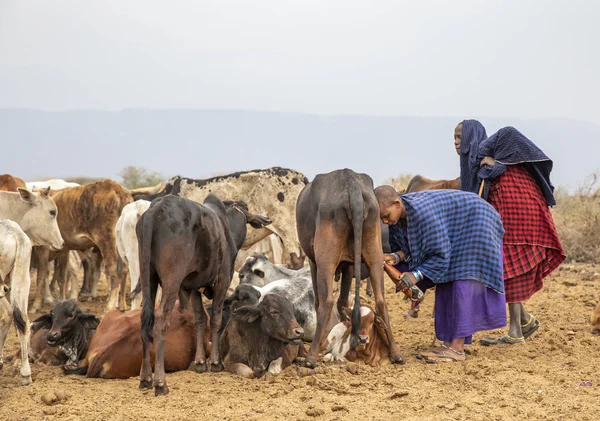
(338,224)
(10,183)
(420,183)
(87,217)
(115,351)
(596,319)
(373,348)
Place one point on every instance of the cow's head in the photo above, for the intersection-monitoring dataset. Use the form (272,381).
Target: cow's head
(64,318)
(254,269)
(368,326)
(244,295)
(276,317)
(39,221)
(238,216)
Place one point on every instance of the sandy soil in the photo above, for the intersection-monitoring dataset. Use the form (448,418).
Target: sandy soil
(542,379)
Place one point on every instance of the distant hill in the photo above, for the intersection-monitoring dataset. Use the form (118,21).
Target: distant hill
(202,143)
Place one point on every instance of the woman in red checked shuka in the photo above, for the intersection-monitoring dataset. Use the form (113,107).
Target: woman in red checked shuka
(513,175)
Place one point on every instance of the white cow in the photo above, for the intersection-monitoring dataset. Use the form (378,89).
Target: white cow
(127,246)
(15,256)
(36,215)
(54,184)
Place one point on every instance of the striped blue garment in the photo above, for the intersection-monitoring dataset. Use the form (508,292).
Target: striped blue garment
(452,235)
(508,146)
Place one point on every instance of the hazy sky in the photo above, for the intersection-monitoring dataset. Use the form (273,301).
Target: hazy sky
(527,59)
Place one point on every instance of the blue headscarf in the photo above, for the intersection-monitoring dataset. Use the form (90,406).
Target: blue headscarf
(508,146)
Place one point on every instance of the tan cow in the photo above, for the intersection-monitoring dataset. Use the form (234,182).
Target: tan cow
(87,217)
(420,183)
(10,183)
(272,192)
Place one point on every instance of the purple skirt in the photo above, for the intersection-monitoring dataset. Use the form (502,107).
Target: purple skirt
(463,308)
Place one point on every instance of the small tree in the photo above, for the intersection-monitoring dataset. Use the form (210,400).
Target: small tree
(400,182)
(135,177)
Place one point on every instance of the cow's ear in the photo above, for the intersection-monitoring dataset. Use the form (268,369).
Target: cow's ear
(45,192)
(248,314)
(88,320)
(42,322)
(26,195)
(258,221)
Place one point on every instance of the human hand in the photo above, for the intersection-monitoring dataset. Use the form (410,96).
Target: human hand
(488,160)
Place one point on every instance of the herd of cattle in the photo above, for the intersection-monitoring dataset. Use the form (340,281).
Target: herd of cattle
(186,246)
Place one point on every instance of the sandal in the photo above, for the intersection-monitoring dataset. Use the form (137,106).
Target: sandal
(530,327)
(448,354)
(502,340)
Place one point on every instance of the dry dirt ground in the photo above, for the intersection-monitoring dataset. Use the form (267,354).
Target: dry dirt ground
(547,378)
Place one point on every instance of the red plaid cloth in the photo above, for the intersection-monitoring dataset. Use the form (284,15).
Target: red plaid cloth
(532,249)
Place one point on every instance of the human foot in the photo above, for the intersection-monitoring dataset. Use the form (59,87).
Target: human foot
(443,354)
(502,340)
(530,327)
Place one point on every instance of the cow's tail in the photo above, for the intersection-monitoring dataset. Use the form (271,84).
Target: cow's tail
(136,290)
(144,234)
(357,213)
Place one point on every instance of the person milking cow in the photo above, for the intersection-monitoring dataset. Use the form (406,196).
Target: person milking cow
(515,176)
(452,240)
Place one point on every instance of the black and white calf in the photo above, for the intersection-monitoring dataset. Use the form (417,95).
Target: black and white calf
(63,336)
(295,285)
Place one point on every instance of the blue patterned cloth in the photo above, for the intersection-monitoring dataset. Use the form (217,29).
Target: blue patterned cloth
(508,146)
(451,235)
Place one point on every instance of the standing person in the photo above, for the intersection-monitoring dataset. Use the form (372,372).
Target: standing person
(455,241)
(513,175)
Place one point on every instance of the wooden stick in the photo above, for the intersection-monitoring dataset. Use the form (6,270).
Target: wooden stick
(481,187)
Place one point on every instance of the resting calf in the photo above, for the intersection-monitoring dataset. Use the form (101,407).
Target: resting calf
(373,347)
(62,337)
(256,338)
(115,351)
(295,285)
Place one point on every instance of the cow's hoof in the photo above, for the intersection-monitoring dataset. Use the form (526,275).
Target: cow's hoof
(216,367)
(25,380)
(161,390)
(201,367)
(397,359)
(308,363)
(145,384)
(1,363)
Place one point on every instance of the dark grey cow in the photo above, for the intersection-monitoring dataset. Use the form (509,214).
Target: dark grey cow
(185,246)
